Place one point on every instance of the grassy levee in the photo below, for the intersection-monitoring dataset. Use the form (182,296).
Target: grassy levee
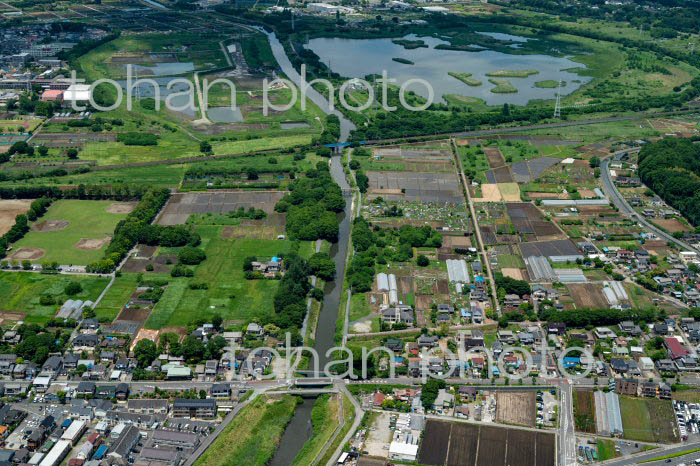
(324,418)
(252,437)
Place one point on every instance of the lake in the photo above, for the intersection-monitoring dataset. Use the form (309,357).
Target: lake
(356,58)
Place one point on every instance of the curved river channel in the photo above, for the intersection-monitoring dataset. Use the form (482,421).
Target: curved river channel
(299,429)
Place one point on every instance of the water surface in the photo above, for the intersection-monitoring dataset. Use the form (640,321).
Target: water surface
(357,58)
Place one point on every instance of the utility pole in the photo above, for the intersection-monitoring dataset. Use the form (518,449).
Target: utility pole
(557,105)
(138,88)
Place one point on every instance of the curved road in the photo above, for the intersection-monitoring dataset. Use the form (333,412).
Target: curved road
(614,195)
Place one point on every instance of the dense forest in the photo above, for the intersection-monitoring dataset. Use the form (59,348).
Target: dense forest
(664,18)
(312,206)
(671,168)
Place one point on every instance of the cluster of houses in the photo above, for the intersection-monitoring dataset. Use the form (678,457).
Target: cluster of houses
(95,432)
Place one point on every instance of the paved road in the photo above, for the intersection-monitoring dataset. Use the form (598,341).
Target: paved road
(636,459)
(359,414)
(567,438)
(615,196)
(482,249)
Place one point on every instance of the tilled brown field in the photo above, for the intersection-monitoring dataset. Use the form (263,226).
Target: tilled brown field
(588,295)
(463,444)
(516,408)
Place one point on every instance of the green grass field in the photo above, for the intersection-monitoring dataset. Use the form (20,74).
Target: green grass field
(348,414)
(359,307)
(86,219)
(648,420)
(117,296)
(252,437)
(606,450)
(230,294)
(20,292)
(512,261)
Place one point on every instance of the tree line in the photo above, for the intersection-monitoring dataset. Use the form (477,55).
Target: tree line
(671,168)
(137,228)
(312,206)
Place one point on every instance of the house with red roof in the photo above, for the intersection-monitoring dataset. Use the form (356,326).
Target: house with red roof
(675,349)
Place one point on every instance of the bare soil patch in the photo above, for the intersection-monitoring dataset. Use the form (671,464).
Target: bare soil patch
(9,209)
(671,224)
(512,273)
(588,295)
(92,244)
(489,193)
(121,207)
(516,408)
(50,225)
(424,301)
(494,157)
(30,254)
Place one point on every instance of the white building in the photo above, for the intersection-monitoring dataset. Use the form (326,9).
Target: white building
(403,451)
(327,8)
(646,364)
(78,93)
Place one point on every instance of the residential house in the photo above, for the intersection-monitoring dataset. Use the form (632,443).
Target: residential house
(506,336)
(254,330)
(556,328)
(85,341)
(126,442)
(665,392)
(665,365)
(675,349)
(619,365)
(427,341)
(467,393)
(52,366)
(220,391)
(630,328)
(649,389)
(398,314)
(473,339)
(526,338)
(85,389)
(626,387)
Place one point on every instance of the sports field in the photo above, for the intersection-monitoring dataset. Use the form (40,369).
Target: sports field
(230,295)
(72,232)
(20,293)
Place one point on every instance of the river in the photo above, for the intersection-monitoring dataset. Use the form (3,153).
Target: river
(296,433)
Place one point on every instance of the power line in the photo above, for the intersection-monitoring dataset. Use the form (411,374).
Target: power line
(557,105)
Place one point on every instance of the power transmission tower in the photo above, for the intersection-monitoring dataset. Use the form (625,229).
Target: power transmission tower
(557,106)
(292,21)
(138,87)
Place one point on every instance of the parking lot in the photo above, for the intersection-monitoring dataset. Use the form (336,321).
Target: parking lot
(687,420)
